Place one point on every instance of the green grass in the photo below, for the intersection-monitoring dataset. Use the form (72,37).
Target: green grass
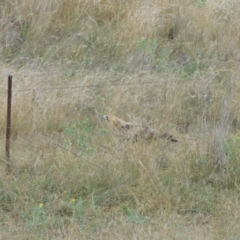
(174,67)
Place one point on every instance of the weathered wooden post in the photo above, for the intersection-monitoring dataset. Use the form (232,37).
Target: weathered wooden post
(8,128)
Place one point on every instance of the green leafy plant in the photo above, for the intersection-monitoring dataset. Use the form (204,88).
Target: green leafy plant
(80,133)
(37,217)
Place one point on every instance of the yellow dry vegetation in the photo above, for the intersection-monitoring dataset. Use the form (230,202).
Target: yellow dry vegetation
(172,66)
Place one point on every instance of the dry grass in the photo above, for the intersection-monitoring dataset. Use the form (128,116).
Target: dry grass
(136,35)
(174,67)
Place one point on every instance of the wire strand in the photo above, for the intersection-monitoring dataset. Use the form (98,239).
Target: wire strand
(77,87)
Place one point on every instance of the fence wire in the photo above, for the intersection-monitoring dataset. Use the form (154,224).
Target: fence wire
(82,86)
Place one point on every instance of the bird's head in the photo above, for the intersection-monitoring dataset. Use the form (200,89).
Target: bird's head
(106,117)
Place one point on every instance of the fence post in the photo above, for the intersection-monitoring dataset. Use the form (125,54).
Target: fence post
(8,128)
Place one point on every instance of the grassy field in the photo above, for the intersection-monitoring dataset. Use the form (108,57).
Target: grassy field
(171,65)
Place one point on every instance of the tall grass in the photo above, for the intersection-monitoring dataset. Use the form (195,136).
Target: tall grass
(170,65)
(120,34)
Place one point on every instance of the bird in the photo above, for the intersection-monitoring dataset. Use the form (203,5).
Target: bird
(137,131)
(119,123)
